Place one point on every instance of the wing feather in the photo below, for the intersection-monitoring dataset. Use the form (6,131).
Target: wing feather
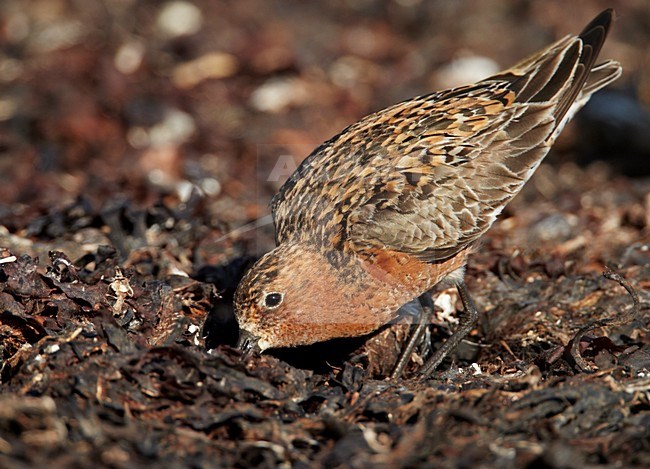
(440,215)
(430,175)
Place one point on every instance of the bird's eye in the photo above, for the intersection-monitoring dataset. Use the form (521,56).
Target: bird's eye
(273,299)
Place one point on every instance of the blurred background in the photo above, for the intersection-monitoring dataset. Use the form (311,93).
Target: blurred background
(144,138)
(122,103)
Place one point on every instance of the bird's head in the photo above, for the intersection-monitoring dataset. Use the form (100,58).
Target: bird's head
(298,295)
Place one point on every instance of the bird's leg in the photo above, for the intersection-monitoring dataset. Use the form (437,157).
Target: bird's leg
(467,320)
(426,309)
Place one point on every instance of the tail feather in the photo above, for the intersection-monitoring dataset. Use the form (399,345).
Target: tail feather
(563,71)
(601,75)
(564,75)
(591,39)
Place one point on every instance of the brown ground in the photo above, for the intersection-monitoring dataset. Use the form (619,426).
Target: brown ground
(130,153)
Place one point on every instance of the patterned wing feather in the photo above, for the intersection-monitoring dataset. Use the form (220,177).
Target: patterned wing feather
(428,176)
(494,135)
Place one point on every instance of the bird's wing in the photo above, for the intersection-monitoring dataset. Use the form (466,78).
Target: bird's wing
(458,157)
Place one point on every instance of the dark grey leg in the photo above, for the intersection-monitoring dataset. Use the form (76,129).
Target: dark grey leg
(467,321)
(426,305)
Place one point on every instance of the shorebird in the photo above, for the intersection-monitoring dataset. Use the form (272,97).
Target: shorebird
(395,203)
